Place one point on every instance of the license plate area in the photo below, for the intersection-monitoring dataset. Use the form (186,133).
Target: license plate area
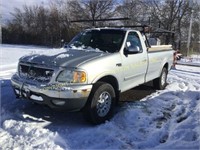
(28,94)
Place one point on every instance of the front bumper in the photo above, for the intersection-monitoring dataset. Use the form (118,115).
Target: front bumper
(57,96)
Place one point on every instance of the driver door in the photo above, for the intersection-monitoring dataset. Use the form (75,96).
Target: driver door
(134,62)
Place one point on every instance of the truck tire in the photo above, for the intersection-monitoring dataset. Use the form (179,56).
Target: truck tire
(101,103)
(161,82)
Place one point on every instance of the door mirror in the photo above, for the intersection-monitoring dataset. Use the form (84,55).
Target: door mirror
(131,49)
(65,45)
(134,49)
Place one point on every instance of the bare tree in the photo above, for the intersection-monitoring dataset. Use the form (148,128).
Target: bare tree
(42,23)
(49,24)
(92,9)
(136,10)
(99,9)
(77,10)
(169,14)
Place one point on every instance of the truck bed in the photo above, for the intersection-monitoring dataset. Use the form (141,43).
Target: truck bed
(156,48)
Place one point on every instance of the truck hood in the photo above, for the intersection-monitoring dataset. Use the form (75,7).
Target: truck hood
(62,57)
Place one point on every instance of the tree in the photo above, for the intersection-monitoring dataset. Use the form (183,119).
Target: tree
(99,9)
(92,10)
(48,25)
(169,15)
(136,10)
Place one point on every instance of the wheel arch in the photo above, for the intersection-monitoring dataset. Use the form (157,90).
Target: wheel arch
(113,82)
(166,66)
(158,84)
(90,109)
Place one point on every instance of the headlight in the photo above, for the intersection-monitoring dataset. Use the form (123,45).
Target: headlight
(69,76)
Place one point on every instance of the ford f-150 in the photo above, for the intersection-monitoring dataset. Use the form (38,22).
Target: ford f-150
(92,70)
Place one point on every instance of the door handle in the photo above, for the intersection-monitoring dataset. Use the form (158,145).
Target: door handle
(119,65)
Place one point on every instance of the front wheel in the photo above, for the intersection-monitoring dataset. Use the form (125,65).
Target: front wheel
(101,102)
(161,82)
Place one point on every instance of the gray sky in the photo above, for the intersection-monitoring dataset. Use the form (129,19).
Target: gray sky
(7,6)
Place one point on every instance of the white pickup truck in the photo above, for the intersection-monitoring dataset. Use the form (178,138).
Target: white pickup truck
(91,71)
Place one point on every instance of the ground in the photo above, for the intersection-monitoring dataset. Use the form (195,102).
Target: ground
(148,119)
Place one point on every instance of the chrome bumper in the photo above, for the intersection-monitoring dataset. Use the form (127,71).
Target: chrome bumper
(70,97)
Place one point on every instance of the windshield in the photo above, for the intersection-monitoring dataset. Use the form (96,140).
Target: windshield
(100,39)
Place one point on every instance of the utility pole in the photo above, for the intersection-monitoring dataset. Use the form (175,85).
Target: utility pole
(191,3)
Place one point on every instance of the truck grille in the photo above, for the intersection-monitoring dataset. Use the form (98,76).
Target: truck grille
(35,73)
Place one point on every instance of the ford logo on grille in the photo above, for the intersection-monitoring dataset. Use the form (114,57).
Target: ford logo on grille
(32,73)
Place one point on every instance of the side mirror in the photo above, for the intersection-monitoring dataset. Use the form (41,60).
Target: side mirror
(131,49)
(65,45)
(134,49)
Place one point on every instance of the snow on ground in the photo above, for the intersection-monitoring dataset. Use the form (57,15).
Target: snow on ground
(193,59)
(167,119)
(10,54)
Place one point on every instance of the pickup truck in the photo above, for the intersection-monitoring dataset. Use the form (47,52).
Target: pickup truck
(91,71)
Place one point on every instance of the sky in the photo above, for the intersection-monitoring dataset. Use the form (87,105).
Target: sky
(7,6)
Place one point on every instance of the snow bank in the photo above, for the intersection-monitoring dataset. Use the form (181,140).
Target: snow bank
(23,135)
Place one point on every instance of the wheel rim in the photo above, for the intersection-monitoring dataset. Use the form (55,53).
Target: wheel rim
(163,78)
(104,104)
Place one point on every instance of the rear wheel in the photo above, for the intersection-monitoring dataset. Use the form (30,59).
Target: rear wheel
(101,102)
(161,82)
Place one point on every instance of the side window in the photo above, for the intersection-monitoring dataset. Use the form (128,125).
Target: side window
(133,40)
